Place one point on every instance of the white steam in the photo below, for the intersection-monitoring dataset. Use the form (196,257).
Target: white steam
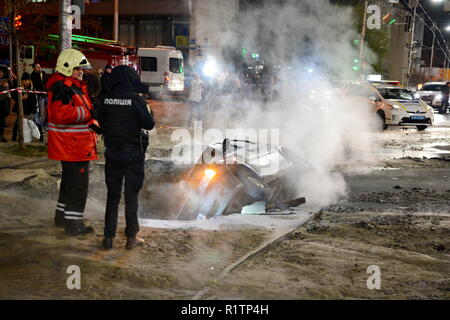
(312,42)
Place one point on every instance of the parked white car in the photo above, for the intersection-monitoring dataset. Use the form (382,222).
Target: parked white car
(407,109)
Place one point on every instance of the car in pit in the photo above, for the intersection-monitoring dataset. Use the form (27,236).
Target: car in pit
(233,174)
(431,93)
(395,106)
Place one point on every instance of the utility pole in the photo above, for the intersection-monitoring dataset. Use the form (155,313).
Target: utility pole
(116,20)
(11,19)
(432,53)
(15,38)
(411,49)
(445,64)
(65,25)
(19,97)
(363,34)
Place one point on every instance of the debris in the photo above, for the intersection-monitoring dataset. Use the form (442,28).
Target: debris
(296,202)
(398,187)
(439,247)
(255,208)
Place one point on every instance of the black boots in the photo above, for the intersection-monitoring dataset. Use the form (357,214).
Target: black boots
(107,243)
(77,227)
(134,242)
(60,221)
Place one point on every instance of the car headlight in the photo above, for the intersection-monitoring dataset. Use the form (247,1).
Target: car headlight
(439,97)
(210,173)
(395,106)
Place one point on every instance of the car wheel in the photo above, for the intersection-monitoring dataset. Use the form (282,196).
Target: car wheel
(421,128)
(382,117)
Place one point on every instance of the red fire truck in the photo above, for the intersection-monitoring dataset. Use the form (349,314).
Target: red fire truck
(99,52)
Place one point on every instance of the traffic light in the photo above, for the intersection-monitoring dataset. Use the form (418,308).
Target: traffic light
(244,53)
(18,22)
(389,19)
(356,65)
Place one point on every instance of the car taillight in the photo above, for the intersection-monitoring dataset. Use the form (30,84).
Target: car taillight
(166,77)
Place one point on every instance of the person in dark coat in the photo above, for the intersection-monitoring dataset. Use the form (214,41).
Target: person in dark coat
(445,91)
(29,103)
(39,79)
(123,114)
(4,100)
(105,79)
(93,84)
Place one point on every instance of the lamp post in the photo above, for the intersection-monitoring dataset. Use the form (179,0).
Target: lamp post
(411,48)
(363,32)
(116,20)
(432,53)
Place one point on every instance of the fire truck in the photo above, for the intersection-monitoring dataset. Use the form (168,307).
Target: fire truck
(99,52)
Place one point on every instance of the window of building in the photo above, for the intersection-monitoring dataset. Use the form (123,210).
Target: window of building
(127,32)
(149,64)
(150,33)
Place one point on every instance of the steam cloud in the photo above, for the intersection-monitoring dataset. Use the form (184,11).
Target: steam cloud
(311,41)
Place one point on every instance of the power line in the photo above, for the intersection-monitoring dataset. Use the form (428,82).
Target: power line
(431,28)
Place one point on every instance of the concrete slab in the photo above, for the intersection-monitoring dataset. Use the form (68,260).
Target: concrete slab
(236,222)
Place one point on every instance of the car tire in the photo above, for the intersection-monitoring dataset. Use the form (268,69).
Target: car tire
(382,118)
(421,128)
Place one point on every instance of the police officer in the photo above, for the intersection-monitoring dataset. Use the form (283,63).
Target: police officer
(122,114)
(71,139)
(445,91)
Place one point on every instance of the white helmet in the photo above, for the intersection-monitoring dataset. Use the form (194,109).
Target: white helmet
(69,59)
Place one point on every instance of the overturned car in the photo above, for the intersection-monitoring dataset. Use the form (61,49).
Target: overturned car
(237,173)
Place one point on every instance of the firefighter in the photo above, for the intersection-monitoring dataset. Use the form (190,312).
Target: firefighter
(71,138)
(123,114)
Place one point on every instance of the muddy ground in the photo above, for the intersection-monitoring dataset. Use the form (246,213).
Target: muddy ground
(395,216)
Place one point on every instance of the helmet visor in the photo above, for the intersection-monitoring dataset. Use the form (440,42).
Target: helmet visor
(84,64)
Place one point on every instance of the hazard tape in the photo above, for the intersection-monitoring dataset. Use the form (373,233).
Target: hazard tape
(23,90)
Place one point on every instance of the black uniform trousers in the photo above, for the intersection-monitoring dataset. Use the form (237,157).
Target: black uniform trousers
(125,162)
(444,104)
(73,190)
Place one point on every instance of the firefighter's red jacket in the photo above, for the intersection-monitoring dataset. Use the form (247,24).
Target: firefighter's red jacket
(69,136)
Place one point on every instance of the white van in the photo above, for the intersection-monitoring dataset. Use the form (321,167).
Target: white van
(162,69)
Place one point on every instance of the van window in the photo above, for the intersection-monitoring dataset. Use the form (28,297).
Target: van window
(176,65)
(149,64)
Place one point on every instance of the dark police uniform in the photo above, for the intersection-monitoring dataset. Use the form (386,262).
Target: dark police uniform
(122,114)
(445,91)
